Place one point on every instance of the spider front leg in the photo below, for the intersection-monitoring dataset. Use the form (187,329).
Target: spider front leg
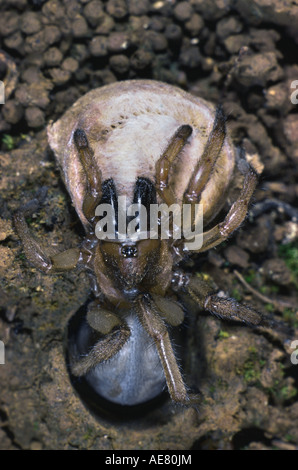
(34,252)
(68,259)
(164,163)
(205,165)
(93,192)
(236,214)
(224,308)
(107,336)
(150,312)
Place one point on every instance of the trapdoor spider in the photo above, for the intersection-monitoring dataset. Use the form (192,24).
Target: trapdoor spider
(152,143)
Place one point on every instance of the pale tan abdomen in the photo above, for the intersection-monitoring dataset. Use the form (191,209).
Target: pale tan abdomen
(128,125)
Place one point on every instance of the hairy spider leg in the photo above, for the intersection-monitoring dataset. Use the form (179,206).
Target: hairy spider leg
(113,334)
(68,259)
(35,254)
(224,308)
(205,166)
(92,172)
(236,214)
(164,163)
(150,318)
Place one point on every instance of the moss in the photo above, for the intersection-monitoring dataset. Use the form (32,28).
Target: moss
(250,276)
(269,307)
(223,335)
(8,142)
(282,389)
(289,253)
(236,294)
(11,142)
(274,289)
(88,434)
(271,289)
(36,426)
(287,392)
(251,368)
(250,373)
(291,317)
(282,393)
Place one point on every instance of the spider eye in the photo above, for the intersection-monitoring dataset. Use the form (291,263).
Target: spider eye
(129,251)
(144,193)
(80,139)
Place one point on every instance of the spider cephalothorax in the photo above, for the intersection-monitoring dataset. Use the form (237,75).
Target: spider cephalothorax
(152,144)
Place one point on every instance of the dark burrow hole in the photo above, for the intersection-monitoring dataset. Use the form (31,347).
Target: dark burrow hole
(5,428)
(101,407)
(243,438)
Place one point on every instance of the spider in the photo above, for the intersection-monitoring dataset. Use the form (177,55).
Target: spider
(154,144)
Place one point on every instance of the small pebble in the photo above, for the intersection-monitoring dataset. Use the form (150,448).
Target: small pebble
(34,117)
(277,270)
(156,41)
(190,57)
(237,256)
(98,46)
(227,26)
(53,11)
(156,24)
(195,24)
(118,42)
(70,65)
(173,32)
(80,52)
(258,69)
(34,94)
(12,111)
(9,22)
(93,12)
(138,8)
(52,34)
(141,59)
(73,9)
(15,42)
(53,57)
(106,24)
(276,96)
(183,11)
(30,23)
(119,63)
(59,76)
(117,8)
(35,445)
(254,239)
(79,27)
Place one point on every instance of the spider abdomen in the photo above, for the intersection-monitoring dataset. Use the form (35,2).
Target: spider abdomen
(128,125)
(131,377)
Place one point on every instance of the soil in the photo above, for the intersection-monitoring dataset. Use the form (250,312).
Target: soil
(243,54)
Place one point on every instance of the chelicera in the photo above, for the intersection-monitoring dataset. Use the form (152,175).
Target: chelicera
(152,143)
